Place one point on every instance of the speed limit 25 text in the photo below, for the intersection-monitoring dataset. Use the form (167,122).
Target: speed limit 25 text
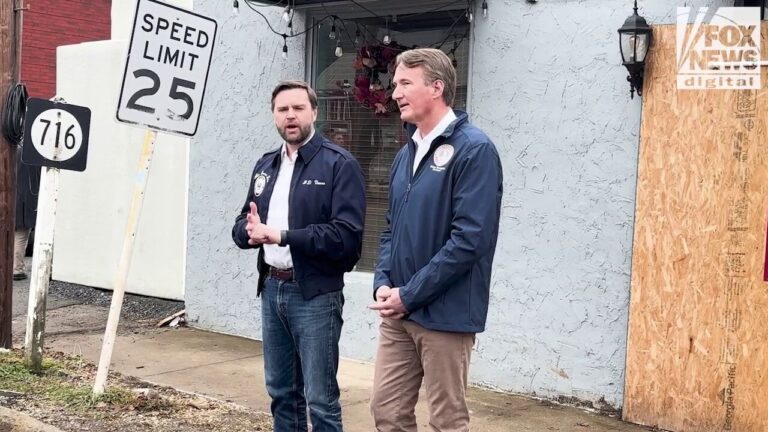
(176,31)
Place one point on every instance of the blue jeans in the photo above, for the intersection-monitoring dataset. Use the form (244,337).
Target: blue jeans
(301,356)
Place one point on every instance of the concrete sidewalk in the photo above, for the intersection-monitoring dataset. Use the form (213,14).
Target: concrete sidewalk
(231,368)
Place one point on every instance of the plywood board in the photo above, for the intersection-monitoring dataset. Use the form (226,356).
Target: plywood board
(697,355)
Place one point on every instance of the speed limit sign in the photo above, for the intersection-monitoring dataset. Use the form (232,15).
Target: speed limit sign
(56,135)
(168,61)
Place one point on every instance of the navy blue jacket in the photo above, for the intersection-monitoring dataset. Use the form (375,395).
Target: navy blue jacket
(443,223)
(326,211)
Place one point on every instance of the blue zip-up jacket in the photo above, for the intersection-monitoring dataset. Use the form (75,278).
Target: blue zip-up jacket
(326,211)
(443,222)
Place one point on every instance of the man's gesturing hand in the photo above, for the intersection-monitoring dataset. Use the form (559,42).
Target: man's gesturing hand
(259,233)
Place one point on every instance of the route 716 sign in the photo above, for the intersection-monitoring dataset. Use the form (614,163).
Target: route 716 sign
(167,68)
(56,135)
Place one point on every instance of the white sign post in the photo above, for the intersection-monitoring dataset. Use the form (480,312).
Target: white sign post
(55,137)
(163,87)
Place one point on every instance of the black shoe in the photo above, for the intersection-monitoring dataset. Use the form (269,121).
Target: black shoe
(19,276)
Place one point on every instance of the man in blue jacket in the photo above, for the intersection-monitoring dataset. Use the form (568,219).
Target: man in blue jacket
(433,276)
(304,212)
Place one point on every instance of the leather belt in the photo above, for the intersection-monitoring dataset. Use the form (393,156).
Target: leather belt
(284,275)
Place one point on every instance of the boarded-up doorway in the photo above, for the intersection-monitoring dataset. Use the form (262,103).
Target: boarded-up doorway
(697,355)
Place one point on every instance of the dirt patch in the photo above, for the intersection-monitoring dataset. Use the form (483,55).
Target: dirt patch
(61,396)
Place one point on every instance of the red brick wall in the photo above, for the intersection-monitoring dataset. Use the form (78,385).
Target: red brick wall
(48,24)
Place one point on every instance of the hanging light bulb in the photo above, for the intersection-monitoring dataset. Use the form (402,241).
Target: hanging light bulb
(287,14)
(332,34)
(485,9)
(387,37)
(285,47)
(235,8)
(339,52)
(470,16)
(357,37)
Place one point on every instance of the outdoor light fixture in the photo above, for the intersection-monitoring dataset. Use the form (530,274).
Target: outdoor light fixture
(339,52)
(634,41)
(387,37)
(235,8)
(287,14)
(485,9)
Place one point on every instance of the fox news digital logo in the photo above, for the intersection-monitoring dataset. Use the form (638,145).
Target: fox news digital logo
(718,48)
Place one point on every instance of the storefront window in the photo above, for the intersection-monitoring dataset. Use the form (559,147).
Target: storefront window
(352,76)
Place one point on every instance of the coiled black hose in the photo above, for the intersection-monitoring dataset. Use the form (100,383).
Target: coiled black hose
(13,114)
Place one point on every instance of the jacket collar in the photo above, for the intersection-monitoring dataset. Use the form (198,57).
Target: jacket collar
(461,118)
(306,152)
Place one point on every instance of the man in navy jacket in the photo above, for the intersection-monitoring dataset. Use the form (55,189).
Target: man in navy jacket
(433,276)
(304,212)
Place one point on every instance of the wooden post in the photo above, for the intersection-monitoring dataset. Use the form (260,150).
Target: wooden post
(8,66)
(42,261)
(121,278)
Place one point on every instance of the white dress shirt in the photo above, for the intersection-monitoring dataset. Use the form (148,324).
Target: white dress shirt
(274,255)
(423,144)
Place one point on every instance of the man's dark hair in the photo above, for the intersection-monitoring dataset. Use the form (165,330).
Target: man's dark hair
(295,84)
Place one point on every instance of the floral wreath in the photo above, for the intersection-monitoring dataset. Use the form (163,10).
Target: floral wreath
(371,61)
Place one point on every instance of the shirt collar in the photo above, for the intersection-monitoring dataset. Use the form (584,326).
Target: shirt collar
(284,151)
(447,119)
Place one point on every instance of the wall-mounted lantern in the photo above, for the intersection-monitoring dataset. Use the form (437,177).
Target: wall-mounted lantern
(634,41)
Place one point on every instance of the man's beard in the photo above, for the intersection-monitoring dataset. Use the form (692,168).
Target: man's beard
(304,132)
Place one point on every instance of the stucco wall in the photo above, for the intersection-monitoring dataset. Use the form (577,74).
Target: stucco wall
(555,98)
(236,128)
(546,83)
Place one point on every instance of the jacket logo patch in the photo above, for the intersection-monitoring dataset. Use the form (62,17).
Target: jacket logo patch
(259,183)
(313,182)
(442,156)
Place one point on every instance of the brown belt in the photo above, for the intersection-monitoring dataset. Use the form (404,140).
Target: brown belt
(284,275)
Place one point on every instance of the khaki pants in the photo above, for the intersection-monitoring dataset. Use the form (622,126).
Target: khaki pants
(407,354)
(20,238)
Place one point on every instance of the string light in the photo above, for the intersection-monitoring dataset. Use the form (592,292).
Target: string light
(287,14)
(235,8)
(387,37)
(485,9)
(339,52)
(336,35)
